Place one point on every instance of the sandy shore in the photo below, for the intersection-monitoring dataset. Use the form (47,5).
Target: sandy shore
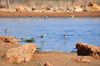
(53,57)
(34,14)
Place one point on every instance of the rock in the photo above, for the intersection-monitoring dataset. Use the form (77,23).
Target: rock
(20,9)
(90,3)
(85,9)
(59,8)
(83,60)
(47,8)
(48,64)
(0,35)
(9,39)
(33,8)
(86,49)
(70,8)
(78,10)
(95,7)
(2,6)
(77,6)
(20,54)
(51,9)
(13,59)
(28,9)
(56,9)
(19,40)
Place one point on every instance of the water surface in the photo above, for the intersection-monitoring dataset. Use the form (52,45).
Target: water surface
(83,29)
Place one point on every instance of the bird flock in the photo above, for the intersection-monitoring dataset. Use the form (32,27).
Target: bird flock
(42,36)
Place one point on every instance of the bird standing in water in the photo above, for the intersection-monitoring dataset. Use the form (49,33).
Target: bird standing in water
(65,34)
(6,30)
(43,36)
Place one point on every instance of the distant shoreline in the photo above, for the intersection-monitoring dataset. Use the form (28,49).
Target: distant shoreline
(55,14)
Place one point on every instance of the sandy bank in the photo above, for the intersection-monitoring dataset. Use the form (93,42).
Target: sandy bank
(33,14)
(53,57)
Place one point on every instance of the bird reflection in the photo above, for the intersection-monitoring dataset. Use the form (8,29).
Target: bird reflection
(65,42)
(43,42)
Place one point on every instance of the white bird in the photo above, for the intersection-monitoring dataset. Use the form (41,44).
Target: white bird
(6,30)
(65,34)
(43,36)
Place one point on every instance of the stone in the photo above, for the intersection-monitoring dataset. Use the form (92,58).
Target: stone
(85,9)
(90,3)
(13,59)
(20,9)
(83,60)
(0,35)
(76,6)
(2,6)
(33,8)
(19,40)
(51,9)
(59,8)
(87,49)
(47,8)
(70,8)
(28,9)
(95,7)
(78,10)
(9,39)
(20,54)
(56,9)
(48,64)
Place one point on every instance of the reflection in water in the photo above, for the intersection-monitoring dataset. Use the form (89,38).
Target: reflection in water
(78,30)
(43,42)
(65,41)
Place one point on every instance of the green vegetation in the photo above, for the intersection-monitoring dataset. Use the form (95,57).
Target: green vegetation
(38,50)
(68,12)
(39,63)
(29,40)
(24,65)
(31,61)
(2,59)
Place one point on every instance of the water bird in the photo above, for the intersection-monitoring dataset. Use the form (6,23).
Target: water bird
(46,17)
(22,38)
(72,16)
(32,38)
(43,36)
(65,34)
(6,30)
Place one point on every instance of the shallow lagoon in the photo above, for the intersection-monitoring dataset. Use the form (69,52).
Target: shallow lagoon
(84,29)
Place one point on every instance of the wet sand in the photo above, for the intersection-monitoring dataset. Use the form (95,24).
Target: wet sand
(54,14)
